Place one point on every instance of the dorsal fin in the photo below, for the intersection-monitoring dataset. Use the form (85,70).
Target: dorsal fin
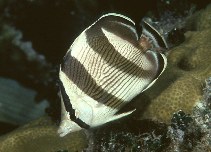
(116,24)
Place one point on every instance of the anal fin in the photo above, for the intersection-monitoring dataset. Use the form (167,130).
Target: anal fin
(115,117)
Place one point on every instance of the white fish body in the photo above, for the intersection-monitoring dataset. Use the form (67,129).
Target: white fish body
(104,69)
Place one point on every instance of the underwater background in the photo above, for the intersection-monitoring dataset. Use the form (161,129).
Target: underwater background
(173,115)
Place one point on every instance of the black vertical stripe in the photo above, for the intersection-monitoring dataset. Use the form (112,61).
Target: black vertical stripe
(65,67)
(103,40)
(161,64)
(119,26)
(69,108)
(111,102)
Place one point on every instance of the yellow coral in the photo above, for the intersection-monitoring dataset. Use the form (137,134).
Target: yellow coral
(180,86)
(41,136)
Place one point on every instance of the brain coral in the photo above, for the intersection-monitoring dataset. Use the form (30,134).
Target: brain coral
(189,64)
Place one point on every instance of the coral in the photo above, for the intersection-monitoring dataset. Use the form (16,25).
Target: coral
(180,121)
(202,117)
(27,65)
(183,132)
(204,21)
(21,98)
(41,135)
(192,132)
(126,137)
(180,86)
(19,61)
(207,92)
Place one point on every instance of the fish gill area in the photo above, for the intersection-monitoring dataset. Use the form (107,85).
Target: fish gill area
(174,115)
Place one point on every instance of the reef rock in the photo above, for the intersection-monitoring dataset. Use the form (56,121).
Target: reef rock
(41,136)
(180,86)
(17,103)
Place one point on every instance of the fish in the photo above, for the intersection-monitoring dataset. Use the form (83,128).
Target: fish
(106,66)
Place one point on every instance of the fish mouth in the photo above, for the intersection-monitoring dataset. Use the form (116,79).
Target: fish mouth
(154,34)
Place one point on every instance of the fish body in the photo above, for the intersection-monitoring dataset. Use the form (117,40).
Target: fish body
(103,70)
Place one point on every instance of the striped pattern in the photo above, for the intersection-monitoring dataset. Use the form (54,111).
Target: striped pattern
(107,63)
(68,107)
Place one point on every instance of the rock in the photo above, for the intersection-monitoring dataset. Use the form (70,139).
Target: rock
(17,103)
(204,20)
(41,136)
(130,135)
(180,86)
